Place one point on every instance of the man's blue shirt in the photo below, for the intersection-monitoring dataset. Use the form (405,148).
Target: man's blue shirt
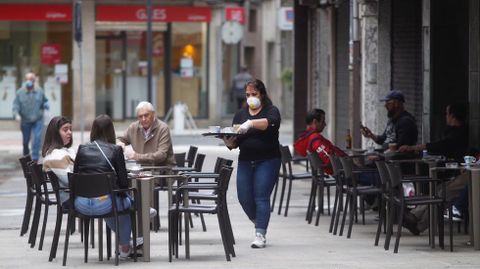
(30,104)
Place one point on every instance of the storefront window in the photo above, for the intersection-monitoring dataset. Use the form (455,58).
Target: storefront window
(44,48)
(189,65)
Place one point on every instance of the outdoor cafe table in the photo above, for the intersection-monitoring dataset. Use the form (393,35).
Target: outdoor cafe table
(473,201)
(145,185)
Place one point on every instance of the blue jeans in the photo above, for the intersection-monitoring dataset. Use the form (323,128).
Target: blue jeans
(27,128)
(97,206)
(255,182)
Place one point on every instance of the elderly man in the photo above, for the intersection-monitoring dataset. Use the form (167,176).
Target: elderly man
(149,137)
(28,107)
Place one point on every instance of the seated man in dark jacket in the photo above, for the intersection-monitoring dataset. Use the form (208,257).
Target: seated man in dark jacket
(453,145)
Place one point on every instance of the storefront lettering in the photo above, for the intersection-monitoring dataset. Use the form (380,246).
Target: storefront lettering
(158,14)
(56,15)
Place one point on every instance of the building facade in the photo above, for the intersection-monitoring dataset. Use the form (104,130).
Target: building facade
(191,63)
(349,54)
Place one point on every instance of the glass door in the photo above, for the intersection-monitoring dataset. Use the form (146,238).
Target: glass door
(111,74)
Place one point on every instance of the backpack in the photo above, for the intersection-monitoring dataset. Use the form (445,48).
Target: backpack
(302,144)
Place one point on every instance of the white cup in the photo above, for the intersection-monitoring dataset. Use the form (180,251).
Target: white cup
(469,159)
(214,129)
(135,170)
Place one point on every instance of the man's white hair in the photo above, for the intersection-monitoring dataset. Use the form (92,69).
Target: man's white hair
(146,105)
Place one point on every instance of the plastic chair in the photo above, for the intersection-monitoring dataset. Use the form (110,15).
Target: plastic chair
(219,208)
(96,185)
(30,194)
(399,201)
(288,175)
(319,182)
(353,191)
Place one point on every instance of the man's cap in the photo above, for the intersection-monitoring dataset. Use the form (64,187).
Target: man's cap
(394,95)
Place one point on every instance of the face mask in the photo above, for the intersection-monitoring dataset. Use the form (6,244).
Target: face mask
(253,102)
(29,84)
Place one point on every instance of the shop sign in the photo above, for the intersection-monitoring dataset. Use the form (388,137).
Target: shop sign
(285,18)
(137,13)
(235,14)
(50,53)
(35,12)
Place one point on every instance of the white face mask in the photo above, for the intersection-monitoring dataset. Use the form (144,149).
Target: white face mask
(253,102)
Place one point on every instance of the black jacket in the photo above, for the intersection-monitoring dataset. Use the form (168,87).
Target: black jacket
(89,159)
(453,144)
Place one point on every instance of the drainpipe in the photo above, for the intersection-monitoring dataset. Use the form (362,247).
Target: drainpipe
(355,93)
(333,75)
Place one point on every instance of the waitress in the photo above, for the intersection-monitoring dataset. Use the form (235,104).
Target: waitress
(259,158)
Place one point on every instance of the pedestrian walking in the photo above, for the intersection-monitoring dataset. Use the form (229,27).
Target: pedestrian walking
(28,108)
(238,87)
(259,158)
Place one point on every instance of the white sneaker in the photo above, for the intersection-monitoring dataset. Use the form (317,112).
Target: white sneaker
(125,255)
(153,212)
(260,241)
(139,242)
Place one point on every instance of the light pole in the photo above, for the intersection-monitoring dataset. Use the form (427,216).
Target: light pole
(149,51)
(77,27)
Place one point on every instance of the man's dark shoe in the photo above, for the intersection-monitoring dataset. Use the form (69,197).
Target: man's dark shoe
(410,222)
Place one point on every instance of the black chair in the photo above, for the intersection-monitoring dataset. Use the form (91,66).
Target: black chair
(399,201)
(96,185)
(319,183)
(42,198)
(180,159)
(192,152)
(353,191)
(386,198)
(288,175)
(219,208)
(156,191)
(30,193)
(340,190)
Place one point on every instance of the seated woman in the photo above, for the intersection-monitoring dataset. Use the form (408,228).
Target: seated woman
(90,159)
(58,156)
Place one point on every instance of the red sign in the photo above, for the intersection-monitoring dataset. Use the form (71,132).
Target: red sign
(35,12)
(50,53)
(235,14)
(136,13)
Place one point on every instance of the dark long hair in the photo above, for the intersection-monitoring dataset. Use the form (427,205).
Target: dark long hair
(260,87)
(103,130)
(53,140)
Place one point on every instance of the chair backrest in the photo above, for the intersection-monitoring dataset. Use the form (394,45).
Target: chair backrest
(199,162)
(383,173)
(180,159)
(317,164)
(37,175)
(225,174)
(24,163)
(347,165)
(336,164)
(395,175)
(192,151)
(90,185)
(220,162)
(286,157)
(52,177)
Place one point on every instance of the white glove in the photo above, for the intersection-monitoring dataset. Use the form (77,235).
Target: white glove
(18,118)
(245,126)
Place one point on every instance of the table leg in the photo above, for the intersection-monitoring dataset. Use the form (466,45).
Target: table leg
(145,186)
(432,210)
(475,207)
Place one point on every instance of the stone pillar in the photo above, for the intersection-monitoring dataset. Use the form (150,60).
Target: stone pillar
(215,73)
(426,70)
(88,70)
(373,112)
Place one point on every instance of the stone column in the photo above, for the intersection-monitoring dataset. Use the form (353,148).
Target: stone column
(373,112)
(474,72)
(88,70)
(215,72)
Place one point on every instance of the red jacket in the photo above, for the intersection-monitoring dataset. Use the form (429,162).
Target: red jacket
(313,141)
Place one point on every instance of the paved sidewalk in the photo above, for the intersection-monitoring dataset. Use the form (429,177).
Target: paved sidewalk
(292,243)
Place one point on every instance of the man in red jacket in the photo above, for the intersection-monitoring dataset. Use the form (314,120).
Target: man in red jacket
(312,140)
